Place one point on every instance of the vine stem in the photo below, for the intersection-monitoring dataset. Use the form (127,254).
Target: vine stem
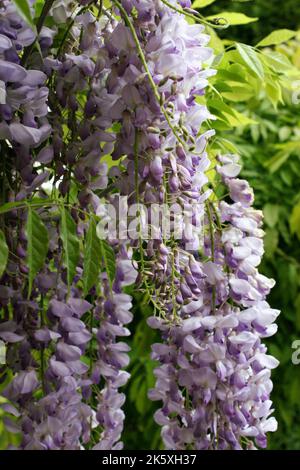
(145,65)
(217,216)
(198,18)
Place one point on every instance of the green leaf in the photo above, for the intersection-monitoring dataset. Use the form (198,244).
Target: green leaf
(286,150)
(109,259)
(227,145)
(216,44)
(202,3)
(70,242)
(251,59)
(234,18)
(37,245)
(274,163)
(271,214)
(297,310)
(295,220)
(24,11)
(287,176)
(276,61)
(271,239)
(239,93)
(284,133)
(10,206)
(229,114)
(274,93)
(235,73)
(277,37)
(134,388)
(3,253)
(2,352)
(92,258)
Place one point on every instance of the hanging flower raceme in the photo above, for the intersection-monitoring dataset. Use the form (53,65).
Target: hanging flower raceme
(23,91)
(157,72)
(214,377)
(54,392)
(126,82)
(113,313)
(23,126)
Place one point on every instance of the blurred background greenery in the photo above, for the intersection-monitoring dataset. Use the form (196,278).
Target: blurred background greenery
(272,14)
(257,117)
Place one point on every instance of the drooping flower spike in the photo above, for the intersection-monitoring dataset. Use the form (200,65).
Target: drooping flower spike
(125,82)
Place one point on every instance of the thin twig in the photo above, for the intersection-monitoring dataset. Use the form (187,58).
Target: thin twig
(198,18)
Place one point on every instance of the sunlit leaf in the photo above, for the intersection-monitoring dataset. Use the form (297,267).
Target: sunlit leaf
(234,18)
(274,93)
(277,37)
(276,61)
(295,220)
(251,59)
(202,3)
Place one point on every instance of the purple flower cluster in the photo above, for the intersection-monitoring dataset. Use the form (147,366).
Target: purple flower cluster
(114,313)
(160,119)
(127,85)
(60,401)
(23,104)
(214,377)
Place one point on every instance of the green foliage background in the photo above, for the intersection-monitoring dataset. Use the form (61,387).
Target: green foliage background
(272,14)
(252,99)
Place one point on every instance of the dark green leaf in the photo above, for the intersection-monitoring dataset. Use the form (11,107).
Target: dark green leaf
(10,206)
(37,245)
(3,253)
(109,259)
(92,258)
(70,241)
